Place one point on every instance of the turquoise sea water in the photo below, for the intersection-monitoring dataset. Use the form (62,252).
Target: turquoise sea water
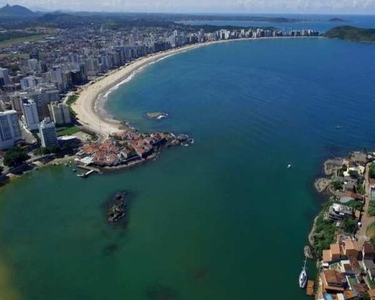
(222,219)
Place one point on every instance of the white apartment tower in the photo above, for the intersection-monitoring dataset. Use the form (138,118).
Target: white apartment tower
(10,130)
(60,113)
(47,132)
(30,114)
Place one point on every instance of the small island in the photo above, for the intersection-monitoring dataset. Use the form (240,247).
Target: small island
(156,115)
(351,33)
(336,20)
(118,208)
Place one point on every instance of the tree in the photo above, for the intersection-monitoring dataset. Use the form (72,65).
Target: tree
(350,226)
(15,157)
(337,185)
(372,170)
(54,149)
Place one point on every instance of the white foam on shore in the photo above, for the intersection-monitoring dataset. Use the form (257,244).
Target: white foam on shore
(101,100)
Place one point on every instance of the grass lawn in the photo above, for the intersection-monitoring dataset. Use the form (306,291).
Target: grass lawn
(352,281)
(68,130)
(370,231)
(70,102)
(31,38)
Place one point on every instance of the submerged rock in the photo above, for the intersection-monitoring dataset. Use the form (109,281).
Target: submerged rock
(156,115)
(118,208)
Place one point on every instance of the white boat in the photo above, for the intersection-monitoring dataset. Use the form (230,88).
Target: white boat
(289,166)
(303,277)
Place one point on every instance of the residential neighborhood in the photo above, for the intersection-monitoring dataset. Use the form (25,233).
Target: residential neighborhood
(343,236)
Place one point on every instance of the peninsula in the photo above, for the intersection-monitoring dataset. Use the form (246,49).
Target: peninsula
(343,234)
(352,34)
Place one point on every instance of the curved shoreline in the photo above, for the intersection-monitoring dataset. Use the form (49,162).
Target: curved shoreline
(85,106)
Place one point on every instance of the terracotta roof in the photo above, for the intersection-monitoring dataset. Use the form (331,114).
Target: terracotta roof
(349,294)
(335,249)
(333,276)
(371,293)
(327,256)
(351,245)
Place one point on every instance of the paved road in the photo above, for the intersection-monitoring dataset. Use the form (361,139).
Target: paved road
(366,220)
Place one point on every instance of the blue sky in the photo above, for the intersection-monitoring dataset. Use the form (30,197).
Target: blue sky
(207,6)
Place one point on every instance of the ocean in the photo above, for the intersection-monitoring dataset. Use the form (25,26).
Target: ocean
(222,219)
(320,23)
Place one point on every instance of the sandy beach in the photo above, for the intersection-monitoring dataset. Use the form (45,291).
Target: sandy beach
(85,104)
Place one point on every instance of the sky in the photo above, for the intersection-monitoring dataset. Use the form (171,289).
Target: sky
(205,6)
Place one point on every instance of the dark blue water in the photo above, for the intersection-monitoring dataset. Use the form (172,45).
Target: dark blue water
(316,22)
(222,219)
(252,108)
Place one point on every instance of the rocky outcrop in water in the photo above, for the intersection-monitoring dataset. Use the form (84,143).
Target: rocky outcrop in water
(117,209)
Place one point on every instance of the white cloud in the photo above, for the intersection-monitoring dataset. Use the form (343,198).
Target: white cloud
(243,6)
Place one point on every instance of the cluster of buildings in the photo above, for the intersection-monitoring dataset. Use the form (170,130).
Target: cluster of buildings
(16,124)
(122,150)
(348,270)
(348,266)
(11,133)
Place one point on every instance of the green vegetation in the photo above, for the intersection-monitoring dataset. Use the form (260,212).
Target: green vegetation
(15,157)
(72,99)
(360,189)
(366,296)
(340,172)
(371,282)
(49,150)
(371,208)
(324,231)
(8,40)
(349,225)
(53,149)
(351,33)
(68,130)
(370,230)
(354,204)
(337,185)
(372,170)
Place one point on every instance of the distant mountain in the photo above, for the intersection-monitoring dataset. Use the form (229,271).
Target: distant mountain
(61,19)
(16,11)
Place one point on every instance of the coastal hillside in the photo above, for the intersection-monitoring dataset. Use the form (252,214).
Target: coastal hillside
(351,33)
